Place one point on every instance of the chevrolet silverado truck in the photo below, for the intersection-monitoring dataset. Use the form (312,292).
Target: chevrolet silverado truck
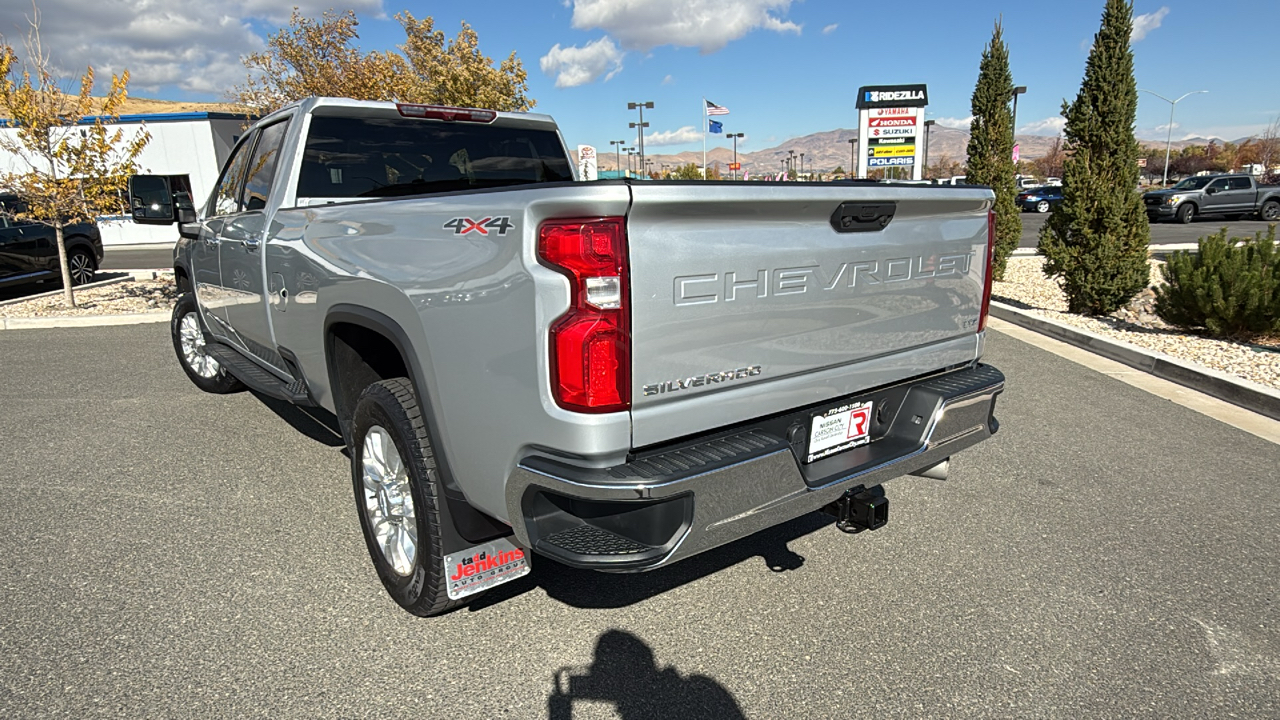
(1231,195)
(615,375)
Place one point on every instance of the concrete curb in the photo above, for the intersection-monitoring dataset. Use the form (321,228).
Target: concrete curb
(76,321)
(1237,391)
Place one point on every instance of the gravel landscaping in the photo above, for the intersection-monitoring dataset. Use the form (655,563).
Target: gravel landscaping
(125,298)
(1027,288)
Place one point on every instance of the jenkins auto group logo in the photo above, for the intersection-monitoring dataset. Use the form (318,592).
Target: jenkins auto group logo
(484,561)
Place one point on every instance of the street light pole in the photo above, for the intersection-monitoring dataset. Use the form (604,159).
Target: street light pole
(640,125)
(735,137)
(801,164)
(927,125)
(1168,141)
(1016,92)
(853,157)
(618,151)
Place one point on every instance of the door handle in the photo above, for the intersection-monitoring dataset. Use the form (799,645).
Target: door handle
(252,244)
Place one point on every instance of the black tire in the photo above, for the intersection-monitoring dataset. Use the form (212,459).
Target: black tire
(1270,211)
(220,381)
(392,406)
(1185,214)
(82,266)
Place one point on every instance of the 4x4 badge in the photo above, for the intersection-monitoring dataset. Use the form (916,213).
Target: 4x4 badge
(464,225)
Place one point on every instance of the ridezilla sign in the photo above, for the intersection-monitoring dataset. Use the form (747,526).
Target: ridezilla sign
(887,115)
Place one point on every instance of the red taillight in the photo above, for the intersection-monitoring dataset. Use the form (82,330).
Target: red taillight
(452,114)
(591,343)
(986,283)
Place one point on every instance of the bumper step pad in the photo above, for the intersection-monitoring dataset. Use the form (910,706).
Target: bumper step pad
(591,540)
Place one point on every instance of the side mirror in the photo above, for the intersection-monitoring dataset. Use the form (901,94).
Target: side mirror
(151,200)
(1211,190)
(184,209)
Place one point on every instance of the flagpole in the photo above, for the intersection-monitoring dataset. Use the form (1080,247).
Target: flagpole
(705,119)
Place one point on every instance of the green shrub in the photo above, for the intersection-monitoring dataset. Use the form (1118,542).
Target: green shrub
(1227,290)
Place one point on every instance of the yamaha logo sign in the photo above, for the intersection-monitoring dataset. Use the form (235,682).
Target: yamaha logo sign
(893,95)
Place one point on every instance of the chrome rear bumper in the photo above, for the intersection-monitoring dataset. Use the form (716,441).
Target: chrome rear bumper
(673,502)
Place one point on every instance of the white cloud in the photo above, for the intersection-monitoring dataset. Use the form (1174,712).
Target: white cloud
(1143,24)
(686,134)
(668,80)
(574,66)
(1048,126)
(956,123)
(1165,128)
(830,28)
(708,25)
(192,45)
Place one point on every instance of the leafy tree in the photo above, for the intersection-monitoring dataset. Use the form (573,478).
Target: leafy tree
(687,172)
(69,167)
(1095,243)
(839,171)
(943,167)
(1050,165)
(317,57)
(991,145)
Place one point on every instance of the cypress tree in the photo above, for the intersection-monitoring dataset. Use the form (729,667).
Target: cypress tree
(991,145)
(1096,241)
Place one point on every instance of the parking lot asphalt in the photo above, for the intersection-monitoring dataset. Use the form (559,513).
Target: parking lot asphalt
(168,553)
(1162,233)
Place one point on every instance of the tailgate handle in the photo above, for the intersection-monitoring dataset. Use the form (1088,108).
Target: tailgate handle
(862,216)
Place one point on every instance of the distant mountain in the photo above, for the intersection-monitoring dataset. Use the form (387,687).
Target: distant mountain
(825,151)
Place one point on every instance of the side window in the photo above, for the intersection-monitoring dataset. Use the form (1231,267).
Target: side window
(226,198)
(262,168)
(1240,183)
(1218,184)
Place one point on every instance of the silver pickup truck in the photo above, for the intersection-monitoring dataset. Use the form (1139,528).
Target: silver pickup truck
(615,375)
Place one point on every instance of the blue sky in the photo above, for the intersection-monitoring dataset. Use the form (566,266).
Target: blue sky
(784,68)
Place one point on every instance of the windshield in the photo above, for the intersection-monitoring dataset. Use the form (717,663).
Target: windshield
(348,157)
(1193,183)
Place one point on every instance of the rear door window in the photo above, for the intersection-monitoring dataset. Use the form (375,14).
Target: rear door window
(1240,183)
(346,157)
(261,171)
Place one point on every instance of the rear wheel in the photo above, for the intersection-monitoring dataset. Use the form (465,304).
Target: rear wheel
(81,266)
(188,342)
(1270,211)
(1042,206)
(1185,214)
(397,492)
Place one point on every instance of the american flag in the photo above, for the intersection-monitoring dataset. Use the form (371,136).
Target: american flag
(714,109)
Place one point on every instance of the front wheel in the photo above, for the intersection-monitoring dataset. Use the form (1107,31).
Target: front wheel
(188,341)
(1185,214)
(1042,206)
(1270,211)
(397,492)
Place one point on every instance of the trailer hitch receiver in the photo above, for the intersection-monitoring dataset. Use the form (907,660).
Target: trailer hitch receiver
(860,509)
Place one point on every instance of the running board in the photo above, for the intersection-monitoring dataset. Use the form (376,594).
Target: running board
(257,378)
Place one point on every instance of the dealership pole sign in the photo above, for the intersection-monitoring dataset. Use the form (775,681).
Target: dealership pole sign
(890,118)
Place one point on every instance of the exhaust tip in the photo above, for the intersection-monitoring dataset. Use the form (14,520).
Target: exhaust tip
(937,471)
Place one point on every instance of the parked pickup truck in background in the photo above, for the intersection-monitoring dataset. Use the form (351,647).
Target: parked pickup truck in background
(615,375)
(1237,195)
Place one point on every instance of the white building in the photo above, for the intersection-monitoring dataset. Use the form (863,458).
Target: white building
(188,147)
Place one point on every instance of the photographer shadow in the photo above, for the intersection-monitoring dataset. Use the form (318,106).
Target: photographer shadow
(625,674)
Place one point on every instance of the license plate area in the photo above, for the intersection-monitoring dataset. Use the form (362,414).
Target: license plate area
(840,428)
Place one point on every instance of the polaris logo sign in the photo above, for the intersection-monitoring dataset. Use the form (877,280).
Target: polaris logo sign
(897,95)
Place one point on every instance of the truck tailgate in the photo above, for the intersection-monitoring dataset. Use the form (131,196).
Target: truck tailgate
(740,286)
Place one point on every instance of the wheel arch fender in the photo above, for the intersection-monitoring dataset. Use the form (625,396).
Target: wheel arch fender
(464,526)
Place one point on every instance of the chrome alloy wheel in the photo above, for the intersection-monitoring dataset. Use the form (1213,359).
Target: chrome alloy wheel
(1042,206)
(80,267)
(388,500)
(200,362)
